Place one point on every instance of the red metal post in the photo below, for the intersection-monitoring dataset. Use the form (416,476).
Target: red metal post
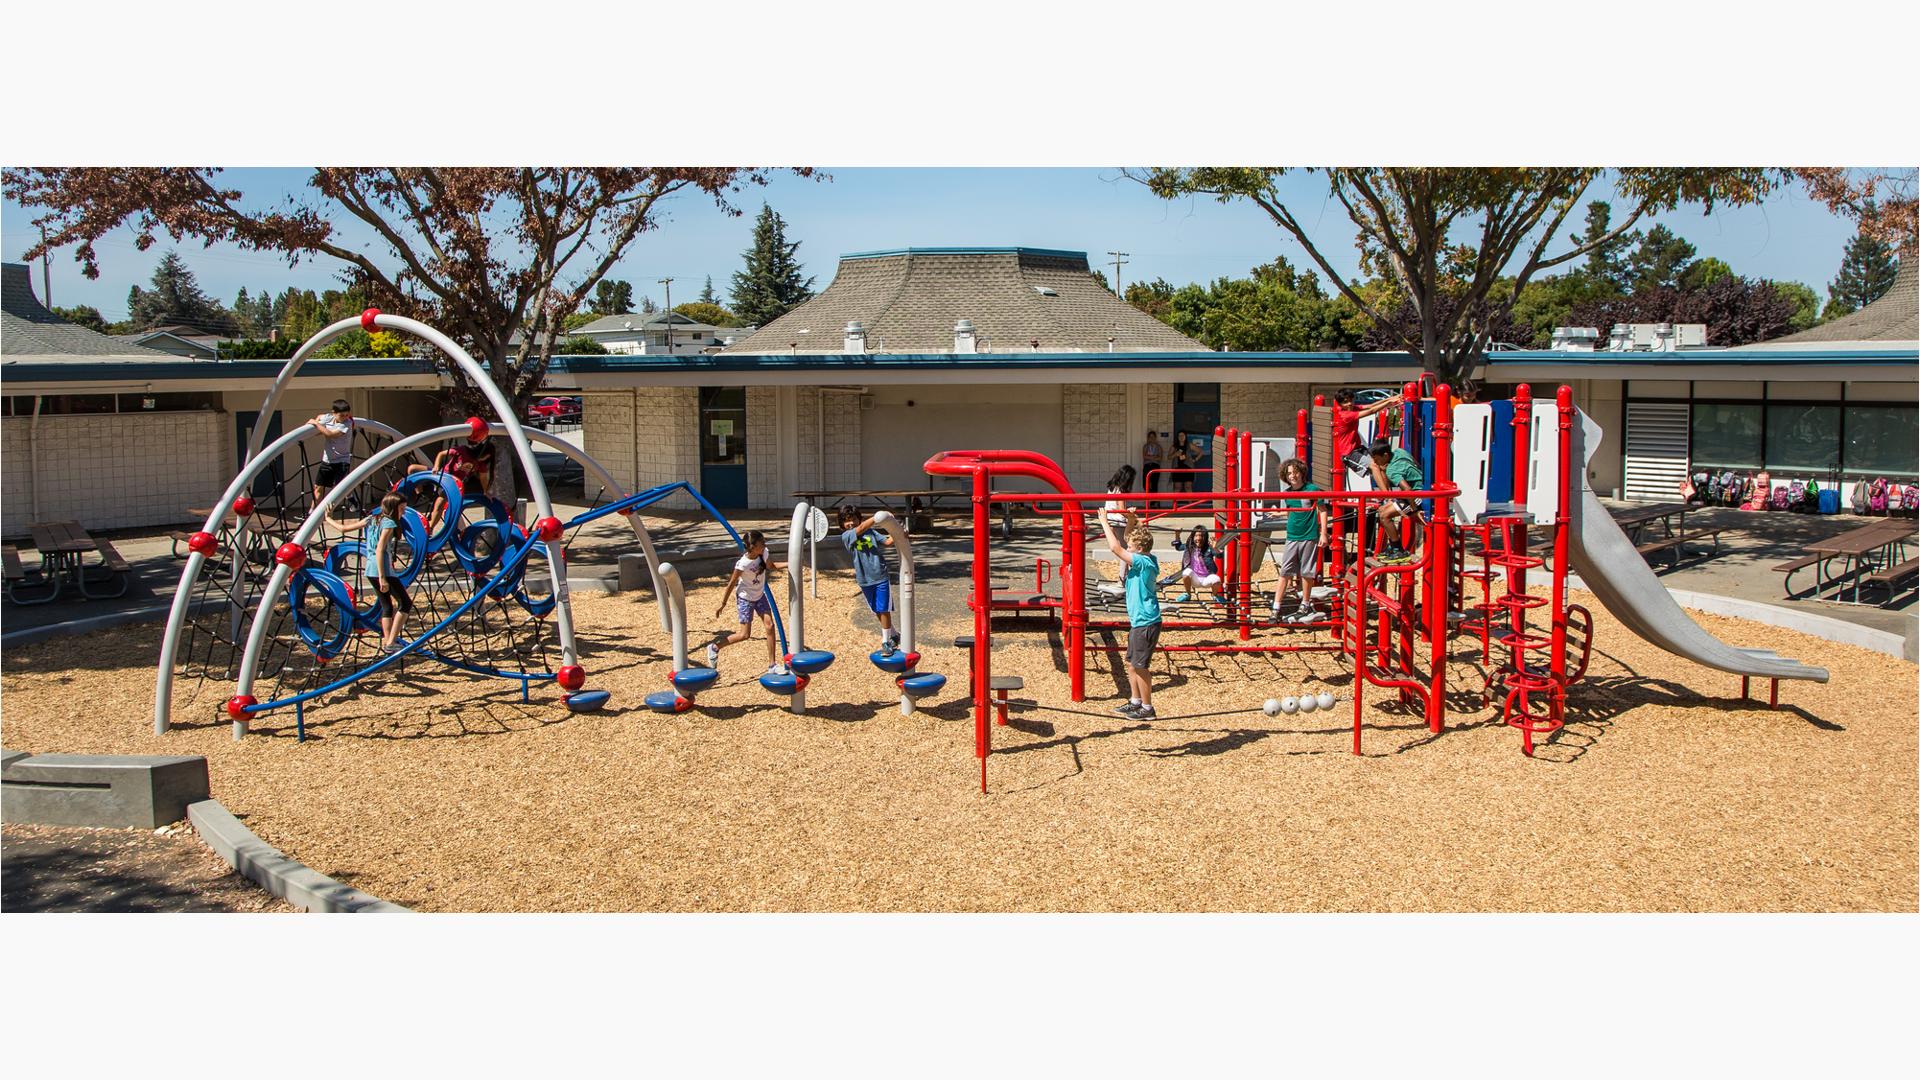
(1225,519)
(1440,555)
(1337,481)
(1517,573)
(1303,436)
(982,622)
(1246,536)
(1561,526)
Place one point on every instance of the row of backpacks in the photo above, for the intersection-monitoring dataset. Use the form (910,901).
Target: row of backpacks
(1756,492)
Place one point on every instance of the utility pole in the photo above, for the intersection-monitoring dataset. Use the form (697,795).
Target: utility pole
(668,282)
(46,281)
(1119,260)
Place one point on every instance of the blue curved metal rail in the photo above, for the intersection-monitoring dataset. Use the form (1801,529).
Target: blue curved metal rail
(520,556)
(642,499)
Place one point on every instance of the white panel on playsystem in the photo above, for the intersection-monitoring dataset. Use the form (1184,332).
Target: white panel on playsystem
(1268,453)
(1362,479)
(1543,462)
(1472,459)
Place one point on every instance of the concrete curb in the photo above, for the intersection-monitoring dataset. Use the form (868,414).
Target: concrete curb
(262,864)
(1824,627)
(31,634)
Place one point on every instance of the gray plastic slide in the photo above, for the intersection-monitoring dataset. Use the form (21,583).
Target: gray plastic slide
(1617,574)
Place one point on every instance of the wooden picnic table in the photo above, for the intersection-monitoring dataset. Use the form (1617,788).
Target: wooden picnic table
(1880,544)
(1636,521)
(63,546)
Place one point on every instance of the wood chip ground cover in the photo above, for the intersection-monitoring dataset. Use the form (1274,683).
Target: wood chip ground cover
(444,793)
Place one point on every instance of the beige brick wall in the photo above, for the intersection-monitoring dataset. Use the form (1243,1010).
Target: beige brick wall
(666,439)
(1265,408)
(606,432)
(841,470)
(1096,440)
(114,471)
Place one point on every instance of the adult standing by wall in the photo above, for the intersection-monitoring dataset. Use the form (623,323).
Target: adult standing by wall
(1151,456)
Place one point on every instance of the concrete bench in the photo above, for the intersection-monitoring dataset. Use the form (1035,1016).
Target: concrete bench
(100,791)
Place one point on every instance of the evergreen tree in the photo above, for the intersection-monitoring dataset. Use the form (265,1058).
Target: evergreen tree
(611,298)
(771,285)
(648,307)
(1659,261)
(707,295)
(176,299)
(1603,265)
(254,314)
(1866,271)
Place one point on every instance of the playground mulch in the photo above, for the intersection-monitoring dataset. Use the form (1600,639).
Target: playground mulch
(1664,793)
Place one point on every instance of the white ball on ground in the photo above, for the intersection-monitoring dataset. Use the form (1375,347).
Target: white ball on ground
(1289,705)
(1272,707)
(1325,700)
(1307,703)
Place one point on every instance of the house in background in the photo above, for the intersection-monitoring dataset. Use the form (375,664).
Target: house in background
(178,340)
(660,334)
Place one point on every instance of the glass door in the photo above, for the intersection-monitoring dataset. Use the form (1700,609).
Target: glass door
(723,445)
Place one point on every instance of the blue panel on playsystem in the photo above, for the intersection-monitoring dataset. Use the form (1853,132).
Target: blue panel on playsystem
(587,700)
(1425,450)
(1500,461)
(694,680)
(922,685)
(810,661)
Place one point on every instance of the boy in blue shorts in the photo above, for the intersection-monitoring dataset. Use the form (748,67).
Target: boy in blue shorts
(870,570)
(1141,575)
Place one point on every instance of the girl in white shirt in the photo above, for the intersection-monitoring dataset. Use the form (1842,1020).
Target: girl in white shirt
(748,584)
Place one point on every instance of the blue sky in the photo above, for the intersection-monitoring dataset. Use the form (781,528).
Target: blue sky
(860,209)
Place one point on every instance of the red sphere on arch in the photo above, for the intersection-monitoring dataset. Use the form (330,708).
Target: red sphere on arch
(571,677)
(290,555)
(243,505)
(237,705)
(202,542)
(478,429)
(367,317)
(549,528)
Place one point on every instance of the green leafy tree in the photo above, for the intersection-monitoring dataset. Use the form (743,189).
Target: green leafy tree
(85,315)
(300,313)
(1549,302)
(360,345)
(1806,304)
(1274,309)
(1101,277)
(707,295)
(1866,272)
(771,284)
(1153,297)
(711,314)
(176,299)
(612,298)
(577,320)
(259,349)
(582,346)
(1704,272)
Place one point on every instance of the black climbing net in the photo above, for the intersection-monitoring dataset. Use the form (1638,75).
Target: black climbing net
(464,566)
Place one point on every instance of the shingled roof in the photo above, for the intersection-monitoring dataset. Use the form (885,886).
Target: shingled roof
(1893,317)
(909,299)
(28,329)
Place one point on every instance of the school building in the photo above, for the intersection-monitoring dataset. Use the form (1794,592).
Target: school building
(913,351)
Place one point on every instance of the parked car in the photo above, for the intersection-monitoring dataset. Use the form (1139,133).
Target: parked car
(555,410)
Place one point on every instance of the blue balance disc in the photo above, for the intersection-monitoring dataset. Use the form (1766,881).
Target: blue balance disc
(664,701)
(810,661)
(788,684)
(694,679)
(895,662)
(587,700)
(922,685)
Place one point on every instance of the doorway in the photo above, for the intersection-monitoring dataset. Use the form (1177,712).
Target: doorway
(723,446)
(1196,411)
(270,478)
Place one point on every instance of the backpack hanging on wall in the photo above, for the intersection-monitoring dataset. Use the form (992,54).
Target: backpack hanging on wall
(1781,498)
(1762,494)
(1910,499)
(1733,489)
(1812,497)
(1877,495)
(1858,500)
(1797,497)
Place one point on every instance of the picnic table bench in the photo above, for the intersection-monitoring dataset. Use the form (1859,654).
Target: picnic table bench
(1872,554)
(1673,536)
(913,506)
(21,581)
(63,547)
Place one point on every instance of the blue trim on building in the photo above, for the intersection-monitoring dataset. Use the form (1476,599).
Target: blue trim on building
(162,371)
(1022,361)
(1734,355)
(1056,252)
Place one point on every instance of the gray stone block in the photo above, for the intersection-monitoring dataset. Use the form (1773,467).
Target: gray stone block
(633,573)
(264,865)
(100,791)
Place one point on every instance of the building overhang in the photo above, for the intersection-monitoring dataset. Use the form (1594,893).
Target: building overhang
(28,376)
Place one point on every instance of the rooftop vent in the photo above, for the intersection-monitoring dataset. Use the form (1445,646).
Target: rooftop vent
(963,338)
(856,336)
(1044,291)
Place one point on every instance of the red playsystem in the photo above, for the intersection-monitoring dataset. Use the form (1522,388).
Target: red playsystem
(1392,621)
